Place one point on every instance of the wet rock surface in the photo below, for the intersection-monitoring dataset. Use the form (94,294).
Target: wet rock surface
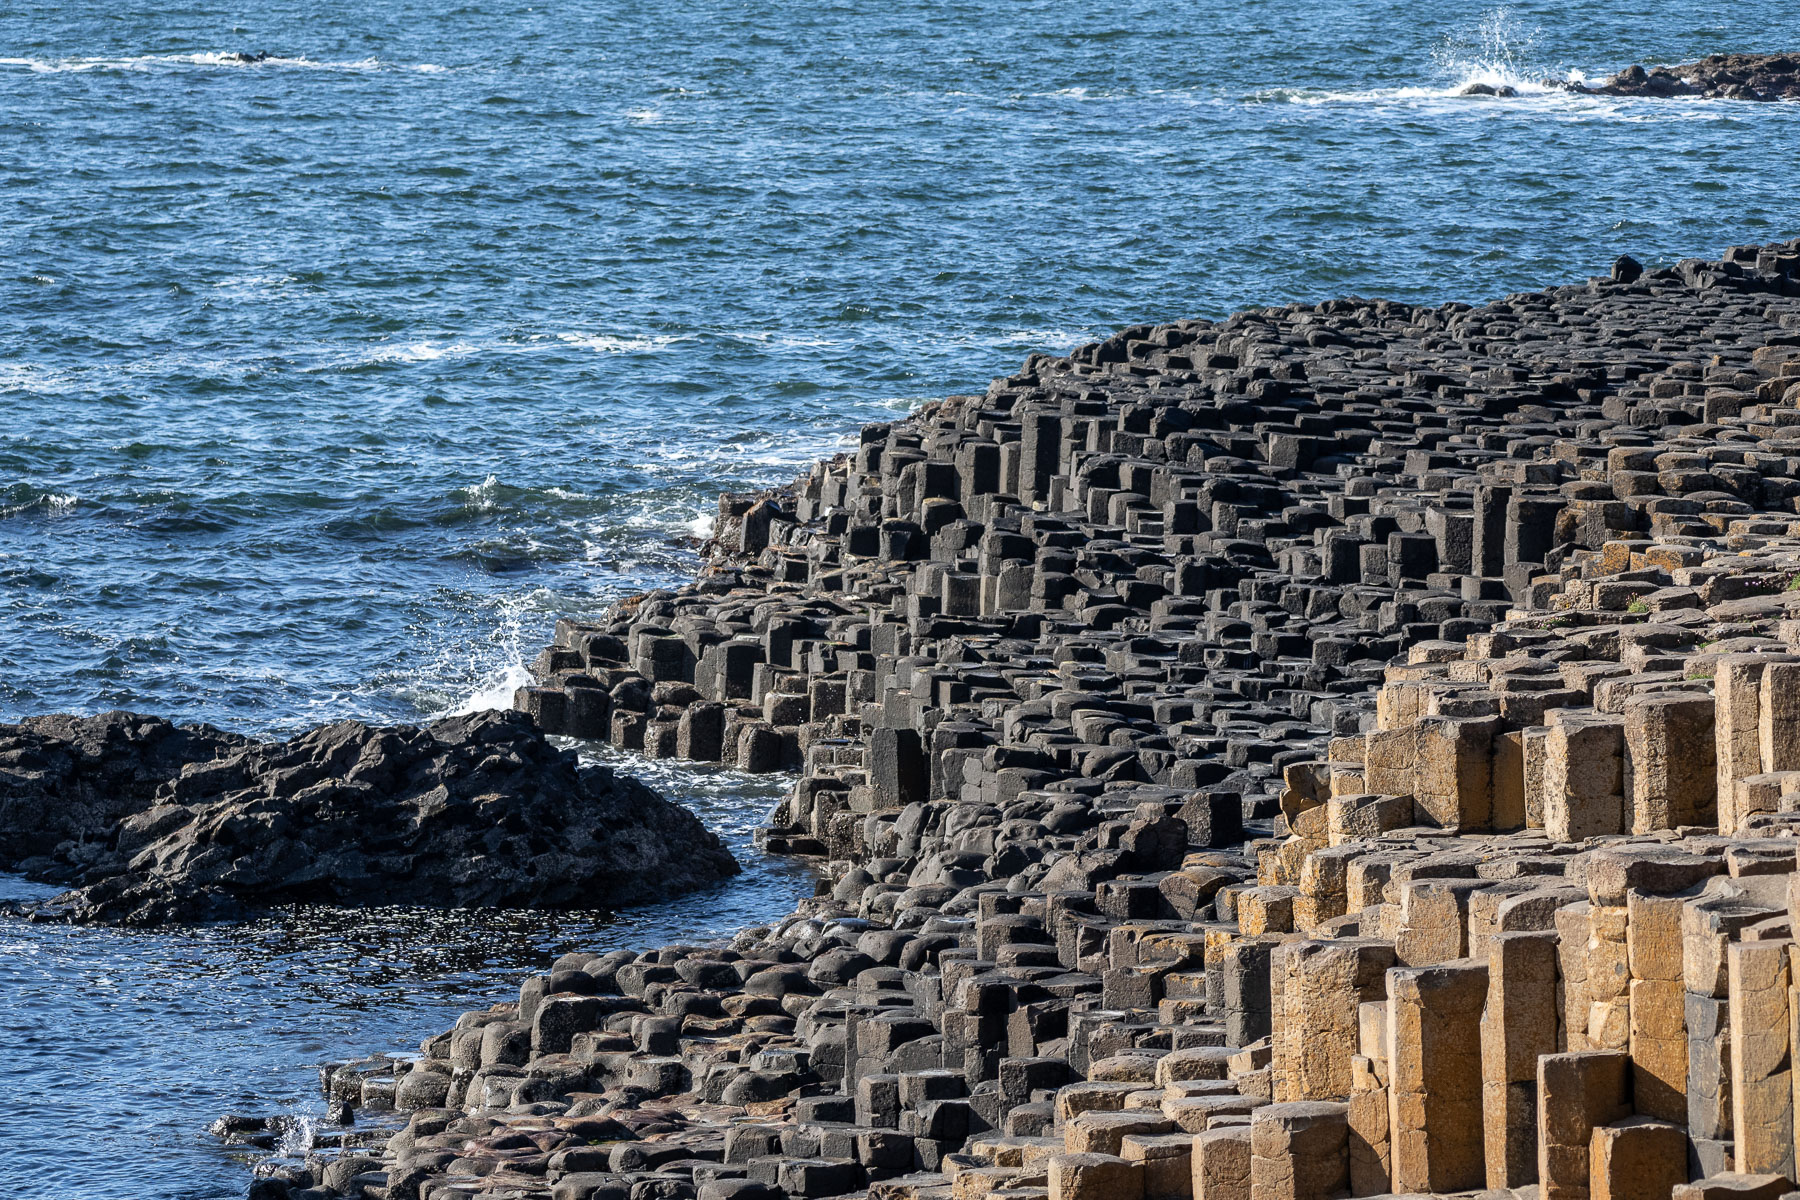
(1716,77)
(149,822)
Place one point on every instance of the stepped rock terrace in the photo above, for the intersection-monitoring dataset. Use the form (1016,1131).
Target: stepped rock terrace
(1346,749)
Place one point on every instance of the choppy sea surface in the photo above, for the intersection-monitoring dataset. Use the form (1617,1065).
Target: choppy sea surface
(329,379)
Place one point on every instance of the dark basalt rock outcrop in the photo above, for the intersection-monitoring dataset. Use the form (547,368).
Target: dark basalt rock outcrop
(1715,77)
(152,822)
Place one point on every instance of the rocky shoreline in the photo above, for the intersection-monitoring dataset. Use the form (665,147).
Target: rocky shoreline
(148,822)
(1346,749)
(1761,77)
(1755,77)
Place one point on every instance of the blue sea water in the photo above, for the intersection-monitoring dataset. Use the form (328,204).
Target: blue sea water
(327,381)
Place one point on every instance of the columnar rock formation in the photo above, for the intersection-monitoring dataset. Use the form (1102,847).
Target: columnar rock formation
(1342,750)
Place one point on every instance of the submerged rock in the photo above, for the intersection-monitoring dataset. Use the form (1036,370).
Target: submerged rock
(153,822)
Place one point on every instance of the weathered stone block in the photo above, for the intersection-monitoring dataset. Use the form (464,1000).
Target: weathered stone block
(1299,1151)
(1095,1177)
(1168,1163)
(1371,1148)
(1435,1100)
(1734,1186)
(1762,1095)
(1325,984)
(1737,720)
(1778,719)
(1509,789)
(1453,772)
(1584,776)
(1222,1164)
(1518,1026)
(1576,1094)
(1636,1159)
(1389,759)
(1671,776)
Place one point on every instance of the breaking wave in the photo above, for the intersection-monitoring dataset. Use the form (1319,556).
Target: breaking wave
(1497,59)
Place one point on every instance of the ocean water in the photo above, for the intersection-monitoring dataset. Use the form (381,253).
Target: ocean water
(330,379)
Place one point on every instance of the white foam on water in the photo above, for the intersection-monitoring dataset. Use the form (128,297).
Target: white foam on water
(608,344)
(252,285)
(562,493)
(54,503)
(20,376)
(426,352)
(342,358)
(212,58)
(339,357)
(774,337)
(1059,341)
(483,496)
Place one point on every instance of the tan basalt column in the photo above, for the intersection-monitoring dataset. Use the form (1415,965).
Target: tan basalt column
(1755,794)
(1762,1087)
(1434,1101)
(1323,886)
(1095,1177)
(1709,927)
(1576,1093)
(1400,701)
(1453,773)
(1794,1033)
(1518,1025)
(1222,1164)
(1168,1163)
(1584,782)
(1389,757)
(1325,984)
(1608,978)
(1299,1151)
(1508,781)
(1658,1019)
(1731,1186)
(1371,1149)
(1571,922)
(1671,775)
(1737,718)
(1778,722)
(1434,920)
(1534,748)
(1636,1159)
